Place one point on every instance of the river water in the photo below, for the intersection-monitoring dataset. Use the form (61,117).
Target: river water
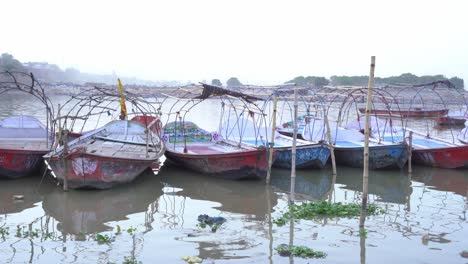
(154,219)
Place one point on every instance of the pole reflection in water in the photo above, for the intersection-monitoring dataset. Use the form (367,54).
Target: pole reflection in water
(164,209)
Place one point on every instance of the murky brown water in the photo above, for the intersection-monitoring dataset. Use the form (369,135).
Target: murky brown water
(425,219)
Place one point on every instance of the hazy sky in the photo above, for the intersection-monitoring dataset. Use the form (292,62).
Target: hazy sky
(260,42)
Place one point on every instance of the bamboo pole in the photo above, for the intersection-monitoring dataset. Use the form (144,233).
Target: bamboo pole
(272,142)
(365,175)
(330,144)
(293,152)
(64,157)
(410,152)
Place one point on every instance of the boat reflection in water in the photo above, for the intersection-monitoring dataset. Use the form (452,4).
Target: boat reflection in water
(310,184)
(247,197)
(455,181)
(28,187)
(247,205)
(87,211)
(388,186)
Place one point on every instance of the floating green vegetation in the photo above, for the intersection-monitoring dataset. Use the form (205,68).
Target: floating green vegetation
(299,251)
(104,239)
(192,260)
(131,260)
(131,230)
(4,232)
(311,210)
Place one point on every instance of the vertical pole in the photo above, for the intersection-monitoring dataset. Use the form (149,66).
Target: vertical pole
(293,152)
(410,152)
(272,142)
(270,225)
(330,144)
(59,126)
(65,164)
(365,175)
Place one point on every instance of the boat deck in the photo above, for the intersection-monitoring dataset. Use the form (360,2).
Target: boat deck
(358,144)
(39,144)
(207,148)
(425,143)
(114,149)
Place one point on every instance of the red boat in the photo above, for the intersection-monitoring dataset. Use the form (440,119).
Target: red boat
(438,153)
(453,157)
(203,152)
(23,142)
(417,112)
(451,121)
(116,153)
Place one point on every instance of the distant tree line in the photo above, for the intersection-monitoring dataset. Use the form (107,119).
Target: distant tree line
(403,79)
(51,73)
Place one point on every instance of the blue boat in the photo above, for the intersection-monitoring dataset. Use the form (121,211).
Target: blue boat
(349,148)
(380,156)
(308,154)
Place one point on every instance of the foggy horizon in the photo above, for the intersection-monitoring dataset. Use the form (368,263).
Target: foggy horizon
(264,42)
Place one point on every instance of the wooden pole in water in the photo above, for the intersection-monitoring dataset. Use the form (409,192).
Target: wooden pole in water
(410,152)
(330,144)
(272,142)
(64,157)
(365,175)
(293,152)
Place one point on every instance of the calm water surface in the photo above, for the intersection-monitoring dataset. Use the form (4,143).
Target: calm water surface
(424,220)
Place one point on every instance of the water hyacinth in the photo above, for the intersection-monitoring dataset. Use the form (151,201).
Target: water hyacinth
(311,210)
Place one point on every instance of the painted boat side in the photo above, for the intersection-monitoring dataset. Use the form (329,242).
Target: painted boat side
(449,158)
(408,113)
(380,157)
(451,121)
(16,163)
(92,171)
(234,165)
(307,156)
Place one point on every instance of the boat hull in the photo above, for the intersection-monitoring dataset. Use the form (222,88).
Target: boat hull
(290,134)
(19,163)
(450,121)
(96,172)
(380,157)
(449,158)
(407,113)
(309,156)
(252,164)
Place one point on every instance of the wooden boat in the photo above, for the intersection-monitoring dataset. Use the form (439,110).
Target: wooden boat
(463,136)
(451,121)
(434,152)
(23,142)
(114,154)
(308,154)
(454,118)
(196,149)
(349,148)
(381,156)
(417,112)
(287,128)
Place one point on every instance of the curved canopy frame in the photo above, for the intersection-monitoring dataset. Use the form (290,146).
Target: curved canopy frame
(26,83)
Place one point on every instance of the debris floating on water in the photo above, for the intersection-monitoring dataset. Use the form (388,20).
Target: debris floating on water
(18,197)
(213,222)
